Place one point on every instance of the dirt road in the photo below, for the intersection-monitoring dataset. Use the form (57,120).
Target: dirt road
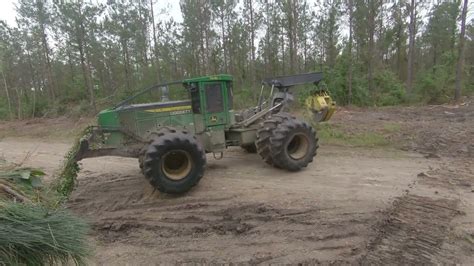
(354,204)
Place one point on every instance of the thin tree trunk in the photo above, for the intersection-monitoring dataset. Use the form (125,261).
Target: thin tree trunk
(252,30)
(7,94)
(282,40)
(144,31)
(91,85)
(85,64)
(33,112)
(267,42)
(85,74)
(252,73)
(71,65)
(411,46)
(45,46)
(155,43)
(202,56)
(48,68)
(126,63)
(19,107)
(33,81)
(349,82)
(224,46)
(459,67)
(207,50)
(371,25)
(292,17)
(399,49)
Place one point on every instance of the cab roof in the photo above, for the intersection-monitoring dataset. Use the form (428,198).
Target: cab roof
(219,77)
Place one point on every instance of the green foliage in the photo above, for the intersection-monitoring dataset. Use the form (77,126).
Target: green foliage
(40,108)
(75,89)
(335,81)
(436,84)
(4,112)
(26,178)
(390,89)
(391,127)
(35,235)
(331,134)
(104,53)
(469,89)
(361,95)
(245,97)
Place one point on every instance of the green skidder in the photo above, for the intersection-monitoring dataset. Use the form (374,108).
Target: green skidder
(170,138)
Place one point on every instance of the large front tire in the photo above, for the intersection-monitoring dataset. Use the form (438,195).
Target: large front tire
(174,161)
(287,143)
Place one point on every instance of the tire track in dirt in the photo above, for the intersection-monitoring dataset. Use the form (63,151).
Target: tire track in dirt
(413,232)
(241,214)
(136,217)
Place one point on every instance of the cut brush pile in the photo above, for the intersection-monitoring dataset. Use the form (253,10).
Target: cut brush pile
(32,230)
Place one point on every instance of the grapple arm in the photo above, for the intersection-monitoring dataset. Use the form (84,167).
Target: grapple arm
(92,145)
(320,105)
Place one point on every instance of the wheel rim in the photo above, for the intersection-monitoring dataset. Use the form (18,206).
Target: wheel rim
(298,146)
(176,164)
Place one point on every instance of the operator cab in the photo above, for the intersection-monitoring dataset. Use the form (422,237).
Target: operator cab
(211,107)
(211,101)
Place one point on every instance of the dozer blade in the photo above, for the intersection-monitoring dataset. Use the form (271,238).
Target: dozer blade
(83,149)
(91,144)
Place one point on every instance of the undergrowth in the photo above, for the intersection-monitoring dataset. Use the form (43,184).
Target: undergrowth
(331,134)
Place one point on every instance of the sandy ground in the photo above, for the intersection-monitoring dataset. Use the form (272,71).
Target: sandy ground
(353,204)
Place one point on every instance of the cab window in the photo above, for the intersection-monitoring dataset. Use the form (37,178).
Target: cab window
(214,99)
(195,99)
(230,95)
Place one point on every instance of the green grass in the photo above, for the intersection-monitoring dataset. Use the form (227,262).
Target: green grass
(331,134)
(391,127)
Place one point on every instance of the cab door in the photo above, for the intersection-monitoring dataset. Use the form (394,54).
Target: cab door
(215,104)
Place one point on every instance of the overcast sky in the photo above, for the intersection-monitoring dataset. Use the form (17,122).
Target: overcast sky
(7,10)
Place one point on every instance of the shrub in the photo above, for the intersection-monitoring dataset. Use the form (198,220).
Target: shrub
(390,89)
(435,85)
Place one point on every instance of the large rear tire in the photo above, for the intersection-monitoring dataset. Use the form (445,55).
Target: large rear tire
(174,161)
(287,143)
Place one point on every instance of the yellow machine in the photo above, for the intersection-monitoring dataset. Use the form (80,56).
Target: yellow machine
(320,105)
